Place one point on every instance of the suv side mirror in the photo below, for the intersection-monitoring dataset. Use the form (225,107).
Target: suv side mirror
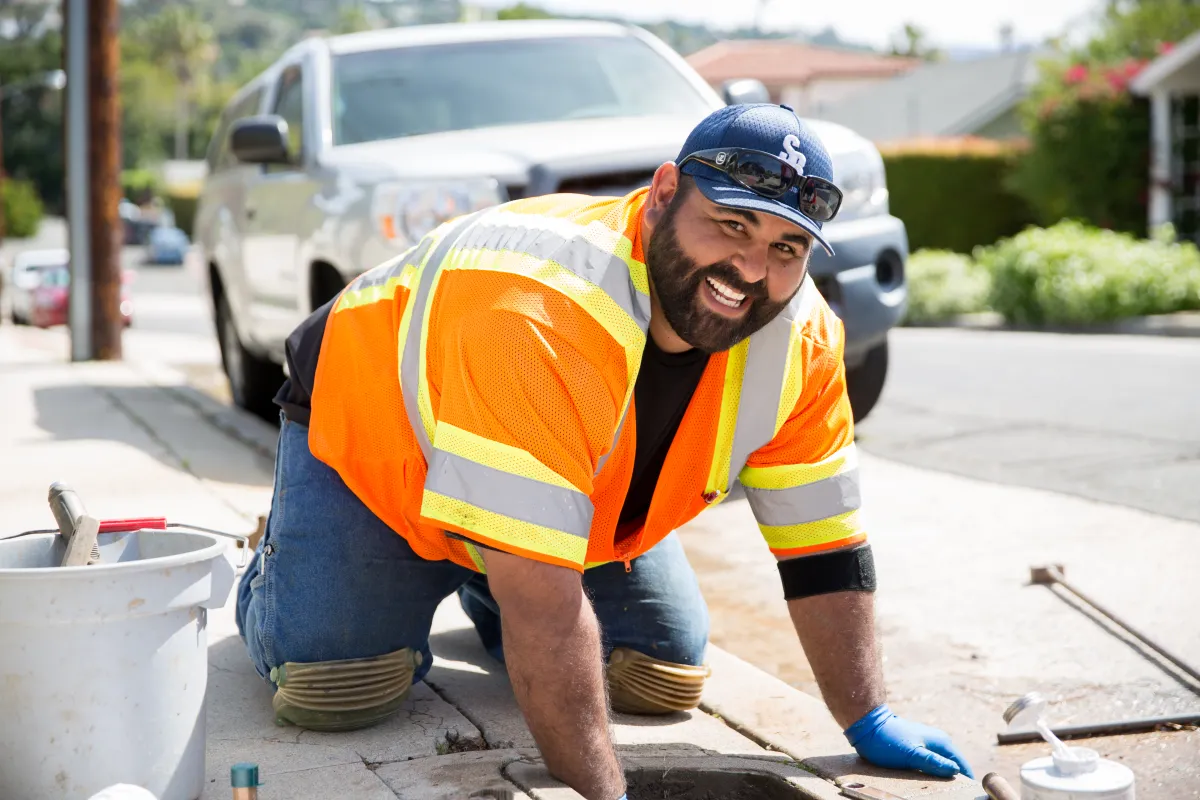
(260,140)
(745,90)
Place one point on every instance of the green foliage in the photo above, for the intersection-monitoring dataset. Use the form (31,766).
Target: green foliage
(184,208)
(22,209)
(943,285)
(32,110)
(955,198)
(140,185)
(1073,274)
(1141,29)
(1089,155)
(523,11)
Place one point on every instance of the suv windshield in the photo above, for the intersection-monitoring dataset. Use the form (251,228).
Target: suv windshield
(384,94)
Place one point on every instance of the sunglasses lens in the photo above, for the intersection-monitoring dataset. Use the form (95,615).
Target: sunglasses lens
(763,174)
(819,201)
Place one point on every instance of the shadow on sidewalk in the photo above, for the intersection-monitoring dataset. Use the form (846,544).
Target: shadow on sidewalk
(150,419)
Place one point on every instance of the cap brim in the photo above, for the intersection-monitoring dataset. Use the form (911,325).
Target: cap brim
(733,196)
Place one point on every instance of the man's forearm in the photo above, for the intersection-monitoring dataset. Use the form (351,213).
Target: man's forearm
(837,632)
(552,651)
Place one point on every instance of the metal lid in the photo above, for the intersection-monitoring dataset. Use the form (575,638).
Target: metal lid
(244,775)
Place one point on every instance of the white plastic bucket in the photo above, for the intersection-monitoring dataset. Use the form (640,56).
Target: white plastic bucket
(104,668)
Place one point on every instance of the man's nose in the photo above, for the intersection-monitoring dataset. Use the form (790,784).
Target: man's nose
(751,264)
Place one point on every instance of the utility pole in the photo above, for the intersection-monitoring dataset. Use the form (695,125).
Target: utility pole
(75,119)
(104,191)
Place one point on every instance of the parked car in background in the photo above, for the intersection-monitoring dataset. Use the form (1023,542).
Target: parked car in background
(28,267)
(166,245)
(42,298)
(349,148)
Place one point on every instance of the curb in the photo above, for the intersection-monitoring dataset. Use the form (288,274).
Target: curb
(1181,324)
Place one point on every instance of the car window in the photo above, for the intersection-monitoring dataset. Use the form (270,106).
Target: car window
(383,94)
(289,104)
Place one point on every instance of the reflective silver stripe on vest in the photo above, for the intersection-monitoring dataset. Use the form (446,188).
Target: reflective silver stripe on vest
(511,495)
(410,373)
(822,499)
(593,264)
(378,277)
(762,382)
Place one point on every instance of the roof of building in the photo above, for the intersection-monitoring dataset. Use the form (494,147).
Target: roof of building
(944,98)
(1168,71)
(786,62)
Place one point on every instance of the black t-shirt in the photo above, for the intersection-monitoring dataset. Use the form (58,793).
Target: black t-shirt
(665,385)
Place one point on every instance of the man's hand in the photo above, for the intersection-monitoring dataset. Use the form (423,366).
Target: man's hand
(895,743)
(552,651)
(837,631)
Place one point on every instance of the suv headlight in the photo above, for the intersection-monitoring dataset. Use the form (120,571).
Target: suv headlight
(860,176)
(406,211)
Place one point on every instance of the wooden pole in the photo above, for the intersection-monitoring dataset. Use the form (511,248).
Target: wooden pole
(104,161)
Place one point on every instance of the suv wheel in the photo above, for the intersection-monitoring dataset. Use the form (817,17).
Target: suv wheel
(253,381)
(865,382)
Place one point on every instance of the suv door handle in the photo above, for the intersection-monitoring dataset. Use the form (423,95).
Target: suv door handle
(250,213)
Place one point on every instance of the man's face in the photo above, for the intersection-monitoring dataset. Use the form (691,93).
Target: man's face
(720,274)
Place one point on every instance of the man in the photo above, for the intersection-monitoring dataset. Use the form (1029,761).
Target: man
(525,406)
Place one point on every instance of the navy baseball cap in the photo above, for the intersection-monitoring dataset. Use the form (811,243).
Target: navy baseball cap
(773,129)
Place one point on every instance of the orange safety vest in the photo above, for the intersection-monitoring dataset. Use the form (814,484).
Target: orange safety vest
(478,389)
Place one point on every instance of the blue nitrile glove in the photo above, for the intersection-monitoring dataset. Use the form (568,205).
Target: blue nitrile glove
(896,743)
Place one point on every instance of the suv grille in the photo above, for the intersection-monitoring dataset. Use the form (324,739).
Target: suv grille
(607,183)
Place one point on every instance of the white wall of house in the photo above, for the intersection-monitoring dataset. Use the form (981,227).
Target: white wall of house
(814,97)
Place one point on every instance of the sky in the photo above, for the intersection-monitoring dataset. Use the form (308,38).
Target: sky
(947,23)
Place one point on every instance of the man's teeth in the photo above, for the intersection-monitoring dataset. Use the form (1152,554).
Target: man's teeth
(725,295)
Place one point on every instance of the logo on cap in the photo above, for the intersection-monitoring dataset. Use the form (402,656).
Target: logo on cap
(791,155)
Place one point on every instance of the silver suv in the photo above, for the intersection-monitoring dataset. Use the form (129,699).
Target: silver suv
(349,148)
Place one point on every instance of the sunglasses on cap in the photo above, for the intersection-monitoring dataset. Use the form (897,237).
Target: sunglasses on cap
(772,177)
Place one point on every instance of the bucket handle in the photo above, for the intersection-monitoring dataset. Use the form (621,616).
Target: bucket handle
(243,541)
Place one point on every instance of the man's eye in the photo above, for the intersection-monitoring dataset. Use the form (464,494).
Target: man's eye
(735,225)
(786,249)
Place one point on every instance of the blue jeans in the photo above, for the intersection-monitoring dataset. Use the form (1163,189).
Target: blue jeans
(331,581)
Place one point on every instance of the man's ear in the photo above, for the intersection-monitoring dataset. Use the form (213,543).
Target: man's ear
(662,191)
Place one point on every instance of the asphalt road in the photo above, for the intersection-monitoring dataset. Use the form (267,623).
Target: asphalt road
(1112,418)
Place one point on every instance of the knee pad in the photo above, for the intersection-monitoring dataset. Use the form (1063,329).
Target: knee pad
(343,695)
(639,684)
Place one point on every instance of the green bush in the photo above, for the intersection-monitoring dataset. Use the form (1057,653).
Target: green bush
(1089,154)
(1071,273)
(140,185)
(184,208)
(22,209)
(955,198)
(943,285)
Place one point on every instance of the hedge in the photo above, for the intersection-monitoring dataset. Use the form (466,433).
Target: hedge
(184,208)
(1071,273)
(953,195)
(943,285)
(140,185)
(22,209)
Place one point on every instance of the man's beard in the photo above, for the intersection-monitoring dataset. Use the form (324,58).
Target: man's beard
(678,281)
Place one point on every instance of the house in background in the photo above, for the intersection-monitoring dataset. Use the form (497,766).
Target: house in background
(1172,82)
(808,78)
(977,97)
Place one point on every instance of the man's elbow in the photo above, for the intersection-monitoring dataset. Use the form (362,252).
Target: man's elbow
(534,590)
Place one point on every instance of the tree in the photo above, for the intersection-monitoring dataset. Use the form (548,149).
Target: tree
(523,11)
(913,44)
(352,19)
(1141,29)
(180,40)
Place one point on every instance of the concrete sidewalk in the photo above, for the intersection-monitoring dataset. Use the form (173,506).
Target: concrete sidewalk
(135,440)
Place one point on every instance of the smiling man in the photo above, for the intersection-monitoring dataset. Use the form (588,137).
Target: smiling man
(523,409)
